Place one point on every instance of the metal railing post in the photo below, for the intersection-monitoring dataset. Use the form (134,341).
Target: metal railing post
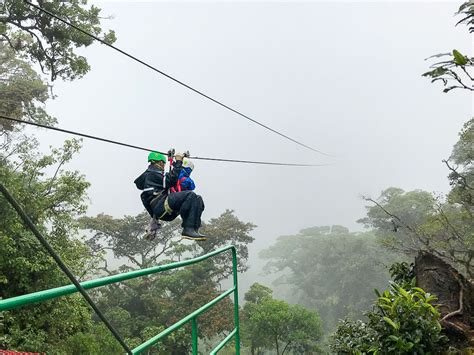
(236,302)
(194,335)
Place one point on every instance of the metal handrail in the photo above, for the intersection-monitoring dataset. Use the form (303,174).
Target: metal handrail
(15,302)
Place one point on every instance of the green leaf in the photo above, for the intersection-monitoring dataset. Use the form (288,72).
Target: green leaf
(392,323)
(459,59)
(394,338)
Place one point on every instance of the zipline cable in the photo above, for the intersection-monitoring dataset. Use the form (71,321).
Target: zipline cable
(172,78)
(27,221)
(150,149)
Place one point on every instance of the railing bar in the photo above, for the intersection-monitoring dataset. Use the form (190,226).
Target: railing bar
(224,342)
(44,295)
(181,322)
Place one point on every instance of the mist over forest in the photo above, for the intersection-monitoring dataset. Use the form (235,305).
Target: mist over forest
(236,177)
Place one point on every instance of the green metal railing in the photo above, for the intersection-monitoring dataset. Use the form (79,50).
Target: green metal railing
(15,302)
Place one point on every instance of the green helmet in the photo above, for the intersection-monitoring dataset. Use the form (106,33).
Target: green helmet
(155,156)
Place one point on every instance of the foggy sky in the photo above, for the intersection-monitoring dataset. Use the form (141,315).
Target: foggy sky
(344,78)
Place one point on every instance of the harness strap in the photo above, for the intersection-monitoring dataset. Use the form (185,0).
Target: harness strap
(155,200)
(168,209)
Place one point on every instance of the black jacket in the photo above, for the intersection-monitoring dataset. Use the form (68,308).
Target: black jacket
(154,181)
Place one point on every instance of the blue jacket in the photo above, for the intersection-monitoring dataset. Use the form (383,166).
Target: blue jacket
(185,180)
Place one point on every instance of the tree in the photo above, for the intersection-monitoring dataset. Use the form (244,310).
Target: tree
(250,331)
(22,91)
(418,220)
(277,325)
(28,37)
(98,340)
(408,222)
(48,42)
(329,269)
(461,176)
(455,70)
(52,202)
(166,298)
(398,216)
(224,230)
(257,293)
(124,238)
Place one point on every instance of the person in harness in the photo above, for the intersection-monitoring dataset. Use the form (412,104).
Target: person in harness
(184,183)
(163,204)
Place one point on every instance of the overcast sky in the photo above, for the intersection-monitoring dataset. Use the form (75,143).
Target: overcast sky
(343,77)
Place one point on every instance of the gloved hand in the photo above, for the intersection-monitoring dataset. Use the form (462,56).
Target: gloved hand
(179,156)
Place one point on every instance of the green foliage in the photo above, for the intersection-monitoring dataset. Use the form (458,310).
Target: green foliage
(52,197)
(412,210)
(22,92)
(402,273)
(97,340)
(455,70)
(134,307)
(417,220)
(250,330)
(352,337)
(278,326)
(48,42)
(124,237)
(408,222)
(404,321)
(224,230)
(257,293)
(168,297)
(461,176)
(466,11)
(329,269)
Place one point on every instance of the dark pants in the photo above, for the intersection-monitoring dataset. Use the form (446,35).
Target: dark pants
(146,204)
(184,203)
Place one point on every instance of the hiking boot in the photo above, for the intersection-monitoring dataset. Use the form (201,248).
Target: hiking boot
(152,229)
(192,234)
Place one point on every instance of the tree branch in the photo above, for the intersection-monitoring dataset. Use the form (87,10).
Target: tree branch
(458,311)
(457,174)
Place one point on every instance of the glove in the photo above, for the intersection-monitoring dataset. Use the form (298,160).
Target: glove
(179,156)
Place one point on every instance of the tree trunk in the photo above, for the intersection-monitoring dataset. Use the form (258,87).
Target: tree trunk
(455,297)
(276,344)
